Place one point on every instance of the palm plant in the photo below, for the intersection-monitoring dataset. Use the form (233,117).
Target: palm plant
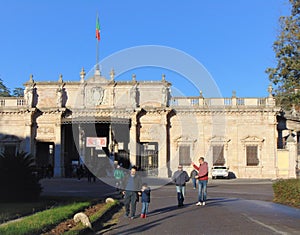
(17,179)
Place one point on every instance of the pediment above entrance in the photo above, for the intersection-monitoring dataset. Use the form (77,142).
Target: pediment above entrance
(97,78)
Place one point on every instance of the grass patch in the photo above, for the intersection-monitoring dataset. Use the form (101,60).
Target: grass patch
(14,210)
(287,192)
(10,211)
(44,220)
(95,217)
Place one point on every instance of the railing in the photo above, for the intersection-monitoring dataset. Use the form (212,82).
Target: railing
(209,102)
(174,102)
(12,102)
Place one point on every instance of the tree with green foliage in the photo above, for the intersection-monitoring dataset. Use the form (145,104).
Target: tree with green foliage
(18,92)
(286,75)
(4,91)
(18,181)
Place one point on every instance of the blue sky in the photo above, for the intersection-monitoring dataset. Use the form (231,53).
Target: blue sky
(231,39)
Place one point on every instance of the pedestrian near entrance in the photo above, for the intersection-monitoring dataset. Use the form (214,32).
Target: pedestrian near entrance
(119,175)
(145,200)
(202,180)
(180,178)
(133,185)
(193,175)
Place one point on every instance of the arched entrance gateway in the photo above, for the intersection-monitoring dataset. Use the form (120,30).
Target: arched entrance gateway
(79,132)
(98,123)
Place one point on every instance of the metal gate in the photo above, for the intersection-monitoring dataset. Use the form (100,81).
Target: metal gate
(149,159)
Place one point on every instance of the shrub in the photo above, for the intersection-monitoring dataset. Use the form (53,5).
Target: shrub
(287,192)
(17,179)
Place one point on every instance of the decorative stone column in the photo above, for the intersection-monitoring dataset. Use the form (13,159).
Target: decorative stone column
(28,134)
(58,156)
(133,140)
(291,146)
(162,147)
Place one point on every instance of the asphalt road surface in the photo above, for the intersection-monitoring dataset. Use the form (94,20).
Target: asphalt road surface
(233,207)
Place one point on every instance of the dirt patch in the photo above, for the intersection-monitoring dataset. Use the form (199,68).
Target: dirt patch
(68,224)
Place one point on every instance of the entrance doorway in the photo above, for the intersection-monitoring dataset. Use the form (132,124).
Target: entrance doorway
(44,158)
(148,160)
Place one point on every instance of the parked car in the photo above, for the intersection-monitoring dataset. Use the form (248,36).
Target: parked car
(220,171)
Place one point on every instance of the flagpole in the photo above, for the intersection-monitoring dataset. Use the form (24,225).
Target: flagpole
(97,69)
(97,54)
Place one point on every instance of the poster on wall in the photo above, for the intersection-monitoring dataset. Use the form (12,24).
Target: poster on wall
(97,142)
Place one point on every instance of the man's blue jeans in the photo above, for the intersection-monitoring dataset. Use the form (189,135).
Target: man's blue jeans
(202,191)
(180,194)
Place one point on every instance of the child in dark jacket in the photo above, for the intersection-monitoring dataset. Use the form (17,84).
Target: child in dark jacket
(145,200)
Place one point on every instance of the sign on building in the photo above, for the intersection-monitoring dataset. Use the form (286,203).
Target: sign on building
(97,142)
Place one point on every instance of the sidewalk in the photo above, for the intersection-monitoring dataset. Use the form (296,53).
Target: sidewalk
(72,187)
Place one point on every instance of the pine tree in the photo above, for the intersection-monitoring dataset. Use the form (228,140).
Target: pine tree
(4,91)
(286,75)
(18,92)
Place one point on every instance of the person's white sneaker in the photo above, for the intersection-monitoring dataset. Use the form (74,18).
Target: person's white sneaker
(203,203)
(198,204)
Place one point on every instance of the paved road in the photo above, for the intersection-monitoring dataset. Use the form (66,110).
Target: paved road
(234,207)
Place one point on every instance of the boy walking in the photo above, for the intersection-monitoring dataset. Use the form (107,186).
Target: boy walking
(145,200)
(194,173)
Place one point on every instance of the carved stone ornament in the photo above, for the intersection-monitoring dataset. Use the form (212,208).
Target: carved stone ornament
(219,140)
(252,140)
(95,96)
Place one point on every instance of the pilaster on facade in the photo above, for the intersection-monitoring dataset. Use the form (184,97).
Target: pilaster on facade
(292,148)
(163,165)
(58,156)
(133,138)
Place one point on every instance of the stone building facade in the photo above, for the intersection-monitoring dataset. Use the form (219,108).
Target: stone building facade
(143,125)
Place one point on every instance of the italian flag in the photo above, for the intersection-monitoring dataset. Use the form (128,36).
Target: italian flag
(97,29)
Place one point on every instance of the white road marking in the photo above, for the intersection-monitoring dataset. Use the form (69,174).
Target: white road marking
(265,225)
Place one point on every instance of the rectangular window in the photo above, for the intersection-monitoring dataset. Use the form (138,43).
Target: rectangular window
(252,155)
(218,155)
(184,155)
